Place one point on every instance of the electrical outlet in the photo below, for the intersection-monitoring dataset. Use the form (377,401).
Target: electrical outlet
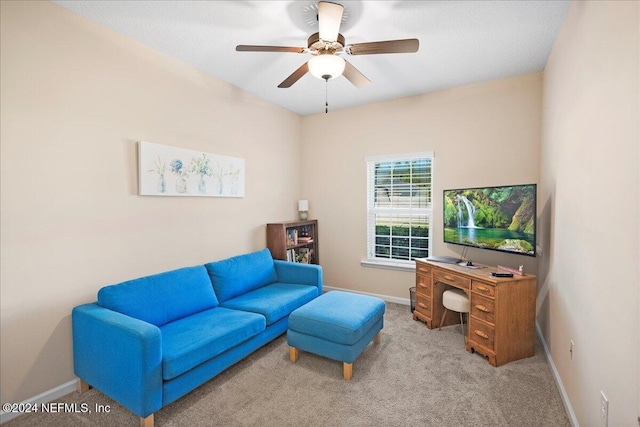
(604,409)
(571,347)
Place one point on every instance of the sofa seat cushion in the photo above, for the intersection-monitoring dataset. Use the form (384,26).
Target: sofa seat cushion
(161,298)
(235,276)
(188,342)
(274,301)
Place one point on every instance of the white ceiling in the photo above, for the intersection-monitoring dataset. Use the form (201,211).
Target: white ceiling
(461,42)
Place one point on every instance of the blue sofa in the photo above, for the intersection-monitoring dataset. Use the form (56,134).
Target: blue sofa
(149,341)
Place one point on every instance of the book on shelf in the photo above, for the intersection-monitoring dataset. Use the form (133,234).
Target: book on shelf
(292,237)
(305,239)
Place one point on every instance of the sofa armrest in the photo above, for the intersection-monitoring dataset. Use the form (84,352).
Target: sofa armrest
(299,273)
(119,355)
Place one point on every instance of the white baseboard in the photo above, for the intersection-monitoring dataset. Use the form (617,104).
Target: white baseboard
(556,377)
(46,397)
(397,300)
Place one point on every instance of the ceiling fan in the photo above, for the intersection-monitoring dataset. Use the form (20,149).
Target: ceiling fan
(326,45)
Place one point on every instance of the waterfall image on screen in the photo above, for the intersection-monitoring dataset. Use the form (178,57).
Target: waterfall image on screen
(497,218)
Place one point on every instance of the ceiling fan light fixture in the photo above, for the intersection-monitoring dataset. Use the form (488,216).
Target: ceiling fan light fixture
(326,67)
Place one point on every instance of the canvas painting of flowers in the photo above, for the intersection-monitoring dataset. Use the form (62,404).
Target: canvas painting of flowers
(173,171)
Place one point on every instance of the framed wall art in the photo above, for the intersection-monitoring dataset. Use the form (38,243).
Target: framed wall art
(172,171)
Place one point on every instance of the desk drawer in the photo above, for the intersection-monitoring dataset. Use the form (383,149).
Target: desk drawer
(483,308)
(483,289)
(423,285)
(423,305)
(481,333)
(423,269)
(452,279)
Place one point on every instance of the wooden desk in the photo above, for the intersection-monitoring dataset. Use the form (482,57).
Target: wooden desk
(503,310)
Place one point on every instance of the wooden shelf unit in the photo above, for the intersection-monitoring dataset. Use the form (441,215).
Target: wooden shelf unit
(279,240)
(503,310)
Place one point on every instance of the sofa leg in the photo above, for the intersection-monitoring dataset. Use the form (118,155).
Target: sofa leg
(146,422)
(376,340)
(347,370)
(293,354)
(83,386)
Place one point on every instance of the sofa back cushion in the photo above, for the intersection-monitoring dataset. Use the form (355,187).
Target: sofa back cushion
(161,298)
(238,275)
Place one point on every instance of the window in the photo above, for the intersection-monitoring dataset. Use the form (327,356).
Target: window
(399,208)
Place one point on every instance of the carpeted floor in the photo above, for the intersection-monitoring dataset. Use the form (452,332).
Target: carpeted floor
(416,377)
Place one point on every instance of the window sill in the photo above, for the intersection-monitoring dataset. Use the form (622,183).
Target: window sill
(388,265)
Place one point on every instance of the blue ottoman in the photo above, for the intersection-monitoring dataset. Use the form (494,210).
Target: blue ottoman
(338,325)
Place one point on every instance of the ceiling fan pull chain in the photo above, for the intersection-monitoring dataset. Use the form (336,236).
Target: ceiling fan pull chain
(326,99)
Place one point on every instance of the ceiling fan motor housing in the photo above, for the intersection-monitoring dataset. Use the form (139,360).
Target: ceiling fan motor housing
(316,44)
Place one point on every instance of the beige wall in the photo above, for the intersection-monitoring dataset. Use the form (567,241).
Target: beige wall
(75,99)
(590,215)
(485,134)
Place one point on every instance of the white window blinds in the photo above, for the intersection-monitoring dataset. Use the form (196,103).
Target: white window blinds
(399,208)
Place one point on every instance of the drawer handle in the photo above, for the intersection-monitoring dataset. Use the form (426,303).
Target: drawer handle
(449,278)
(483,308)
(422,305)
(483,289)
(481,334)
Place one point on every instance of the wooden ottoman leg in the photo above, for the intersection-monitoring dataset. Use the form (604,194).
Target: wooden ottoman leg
(146,422)
(376,339)
(293,354)
(347,371)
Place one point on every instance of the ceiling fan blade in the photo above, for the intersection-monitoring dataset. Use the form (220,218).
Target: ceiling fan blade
(329,19)
(297,74)
(254,48)
(354,76)
(389,46)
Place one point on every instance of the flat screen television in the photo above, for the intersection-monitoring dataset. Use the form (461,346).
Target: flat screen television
(497,218)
